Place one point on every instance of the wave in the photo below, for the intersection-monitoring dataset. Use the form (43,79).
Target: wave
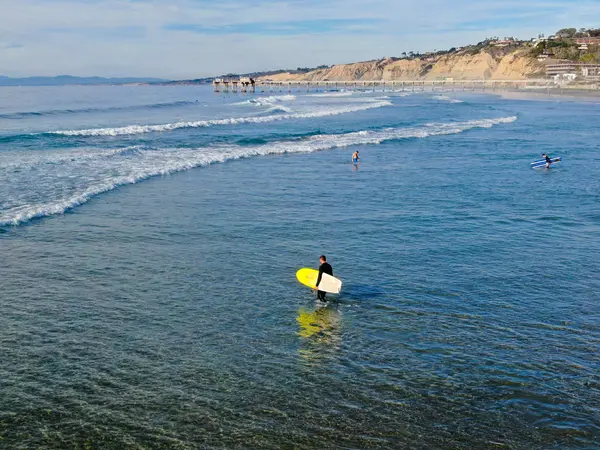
(332,94)
(141,129)
(279,109)
(445,98)
(34,160)
(58,112)
(323,142)
(272,103)
(109,171)
(268,101)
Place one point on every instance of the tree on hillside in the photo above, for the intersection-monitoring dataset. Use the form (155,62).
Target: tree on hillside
(566,32)
(404,54)
(594,32)
(588,58)
(569,53)
(538,49)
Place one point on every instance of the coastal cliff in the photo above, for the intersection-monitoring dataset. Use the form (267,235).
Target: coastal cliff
(489,63)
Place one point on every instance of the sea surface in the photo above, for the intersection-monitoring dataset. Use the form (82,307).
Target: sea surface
(150,235)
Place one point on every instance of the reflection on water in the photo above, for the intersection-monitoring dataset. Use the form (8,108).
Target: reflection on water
(319,332)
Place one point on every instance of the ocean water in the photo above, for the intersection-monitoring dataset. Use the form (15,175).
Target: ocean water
(149,238)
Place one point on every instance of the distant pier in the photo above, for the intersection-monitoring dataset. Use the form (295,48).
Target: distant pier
(251,85)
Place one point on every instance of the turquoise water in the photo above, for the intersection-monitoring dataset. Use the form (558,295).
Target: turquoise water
(150,235)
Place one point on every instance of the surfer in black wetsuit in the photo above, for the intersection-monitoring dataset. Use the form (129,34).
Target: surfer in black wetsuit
(325,267)
(548,160)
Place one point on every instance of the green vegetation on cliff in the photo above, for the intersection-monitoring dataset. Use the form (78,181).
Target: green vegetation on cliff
(570,44)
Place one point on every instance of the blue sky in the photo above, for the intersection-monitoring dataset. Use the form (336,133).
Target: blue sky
(194,38)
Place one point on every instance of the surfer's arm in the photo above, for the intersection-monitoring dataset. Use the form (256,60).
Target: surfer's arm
(319,277)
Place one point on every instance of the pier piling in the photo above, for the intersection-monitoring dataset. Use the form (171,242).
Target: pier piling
(249,85)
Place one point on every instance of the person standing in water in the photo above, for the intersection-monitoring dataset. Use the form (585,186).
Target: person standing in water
(325,267)
(548,160)
(355,157)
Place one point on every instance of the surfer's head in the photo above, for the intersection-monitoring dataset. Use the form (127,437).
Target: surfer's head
(323,258)
(543,154)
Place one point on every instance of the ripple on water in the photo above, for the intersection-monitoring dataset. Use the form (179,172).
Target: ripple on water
(165,314)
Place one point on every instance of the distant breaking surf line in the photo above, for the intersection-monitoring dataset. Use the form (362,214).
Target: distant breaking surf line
(54,112)
(445,98)
(142,129)
(332,94)
(270,100)
(166,161)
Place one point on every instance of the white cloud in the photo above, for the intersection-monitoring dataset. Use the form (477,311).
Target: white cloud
(123,37)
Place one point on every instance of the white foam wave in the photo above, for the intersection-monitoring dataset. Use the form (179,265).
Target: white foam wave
(332,94)
(445,98)
(141,129)
(35,159)
(268,101)
(279,98)
(279,109)
(106,174)
(322,142)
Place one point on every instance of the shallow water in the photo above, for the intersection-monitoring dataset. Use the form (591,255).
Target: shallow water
(161,309)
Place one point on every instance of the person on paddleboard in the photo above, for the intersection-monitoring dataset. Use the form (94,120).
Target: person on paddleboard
(325,267)
(548,160)
(355,157)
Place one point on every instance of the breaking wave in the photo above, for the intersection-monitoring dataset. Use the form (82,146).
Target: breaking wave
(332,94)
(445,98)
(93,173)
(268,101)
(141,129)
(272,103)
(58,112)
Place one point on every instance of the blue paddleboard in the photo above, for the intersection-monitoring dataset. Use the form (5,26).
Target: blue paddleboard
(542,162)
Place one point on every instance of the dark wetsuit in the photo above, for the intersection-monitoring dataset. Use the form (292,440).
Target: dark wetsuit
(548,160)
(323,268)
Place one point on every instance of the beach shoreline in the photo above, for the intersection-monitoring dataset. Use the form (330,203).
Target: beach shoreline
(568,94)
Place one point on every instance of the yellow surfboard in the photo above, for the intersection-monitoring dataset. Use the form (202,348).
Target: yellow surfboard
(308,277)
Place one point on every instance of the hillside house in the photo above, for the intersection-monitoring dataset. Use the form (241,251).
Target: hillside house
(588,41)
(503,42)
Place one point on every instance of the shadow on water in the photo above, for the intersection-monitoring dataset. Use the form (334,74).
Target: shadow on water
(359,292)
